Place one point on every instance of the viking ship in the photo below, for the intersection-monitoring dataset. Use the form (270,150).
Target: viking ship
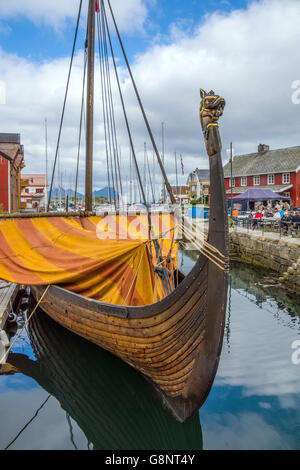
(127,294)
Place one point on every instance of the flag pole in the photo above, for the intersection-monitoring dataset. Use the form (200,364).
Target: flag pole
(231,179)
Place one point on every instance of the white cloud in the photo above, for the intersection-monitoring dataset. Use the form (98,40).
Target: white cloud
(131,14)
(247,56)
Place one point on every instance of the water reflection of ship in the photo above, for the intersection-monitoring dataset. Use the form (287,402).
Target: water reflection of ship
(119,411)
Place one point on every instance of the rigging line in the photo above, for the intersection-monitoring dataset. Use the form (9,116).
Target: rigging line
(153,170)
(119,169)
(103,110)
(109,116)
(149,172)
(205,242)
(80,127)
(112,113)
(105,113)
(65,101)
(130,180)
(126,118)
(27,424)
(110,104)
(151,231)
(142,108)
(117,159)
(176,175)
(192,237)
(213,258)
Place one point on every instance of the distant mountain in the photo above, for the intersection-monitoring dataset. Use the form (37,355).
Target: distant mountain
(104,192)
(65,192)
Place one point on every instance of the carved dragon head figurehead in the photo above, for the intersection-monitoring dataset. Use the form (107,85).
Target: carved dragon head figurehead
(211,109)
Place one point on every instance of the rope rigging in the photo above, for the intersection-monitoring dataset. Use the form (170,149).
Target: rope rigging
(64,104)
(108,107)
(113,166)
(80,126)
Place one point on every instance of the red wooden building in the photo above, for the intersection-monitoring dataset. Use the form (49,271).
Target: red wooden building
(11,164)
(278,170)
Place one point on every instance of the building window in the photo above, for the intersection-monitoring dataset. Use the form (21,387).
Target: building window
(244,181)
(285,178)
(287,194)
(256,180)
(231,182)
(39,191)
(271,179)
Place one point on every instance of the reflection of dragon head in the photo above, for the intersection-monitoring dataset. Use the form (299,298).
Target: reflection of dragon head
(211,108)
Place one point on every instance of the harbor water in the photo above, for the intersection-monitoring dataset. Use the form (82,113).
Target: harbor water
(59,392)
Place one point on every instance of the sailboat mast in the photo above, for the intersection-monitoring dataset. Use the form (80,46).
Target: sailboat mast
(46,149)
(163,159)
(90,108)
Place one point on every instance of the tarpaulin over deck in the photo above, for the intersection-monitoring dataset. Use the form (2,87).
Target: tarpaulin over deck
(84,255)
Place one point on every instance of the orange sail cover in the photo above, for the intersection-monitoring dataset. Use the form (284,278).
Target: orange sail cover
(105,258)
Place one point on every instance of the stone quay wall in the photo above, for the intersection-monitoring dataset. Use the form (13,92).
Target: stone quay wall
(281,255)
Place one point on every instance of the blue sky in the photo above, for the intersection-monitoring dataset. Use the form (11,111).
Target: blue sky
(245,51)
(39,41)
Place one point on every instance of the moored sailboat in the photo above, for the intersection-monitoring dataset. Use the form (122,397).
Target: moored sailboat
(173,333)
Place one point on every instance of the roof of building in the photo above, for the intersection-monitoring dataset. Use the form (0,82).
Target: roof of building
(202,175)
(270,161)
(34,180)
(10,138)
(4,155)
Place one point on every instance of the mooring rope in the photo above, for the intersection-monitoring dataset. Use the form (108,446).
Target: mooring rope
(208,250)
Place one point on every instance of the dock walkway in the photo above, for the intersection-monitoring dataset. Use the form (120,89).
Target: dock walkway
(8,292)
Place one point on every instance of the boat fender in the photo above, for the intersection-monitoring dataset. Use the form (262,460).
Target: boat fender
(12,317)
(4,339)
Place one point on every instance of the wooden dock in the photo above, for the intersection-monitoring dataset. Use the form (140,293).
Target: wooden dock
(8,293)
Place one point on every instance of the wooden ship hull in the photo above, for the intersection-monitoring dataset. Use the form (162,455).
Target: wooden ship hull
(175,343)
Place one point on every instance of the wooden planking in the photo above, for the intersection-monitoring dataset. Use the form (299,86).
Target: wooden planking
(164,351)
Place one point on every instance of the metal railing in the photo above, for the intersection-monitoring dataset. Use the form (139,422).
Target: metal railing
(269,225)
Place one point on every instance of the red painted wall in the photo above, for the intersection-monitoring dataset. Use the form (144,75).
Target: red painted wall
(295,191)
(263,180)
(294,180)
(4,183)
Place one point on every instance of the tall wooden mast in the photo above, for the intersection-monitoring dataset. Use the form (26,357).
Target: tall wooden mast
(90,108)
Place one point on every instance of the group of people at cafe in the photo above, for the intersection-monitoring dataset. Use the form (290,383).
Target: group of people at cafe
(280,211)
